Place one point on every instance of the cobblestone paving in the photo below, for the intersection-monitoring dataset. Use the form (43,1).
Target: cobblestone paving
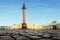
(29,34)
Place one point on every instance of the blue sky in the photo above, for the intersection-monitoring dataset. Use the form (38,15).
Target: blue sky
(38,11)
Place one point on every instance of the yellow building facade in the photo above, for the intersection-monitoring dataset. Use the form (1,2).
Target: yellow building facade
(29,26)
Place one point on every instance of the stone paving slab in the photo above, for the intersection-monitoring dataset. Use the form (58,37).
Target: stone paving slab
(29,34)
(6,38)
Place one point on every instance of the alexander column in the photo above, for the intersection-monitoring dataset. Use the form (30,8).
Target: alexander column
(24,25)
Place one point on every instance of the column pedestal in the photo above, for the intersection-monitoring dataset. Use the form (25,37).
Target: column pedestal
(24,26)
